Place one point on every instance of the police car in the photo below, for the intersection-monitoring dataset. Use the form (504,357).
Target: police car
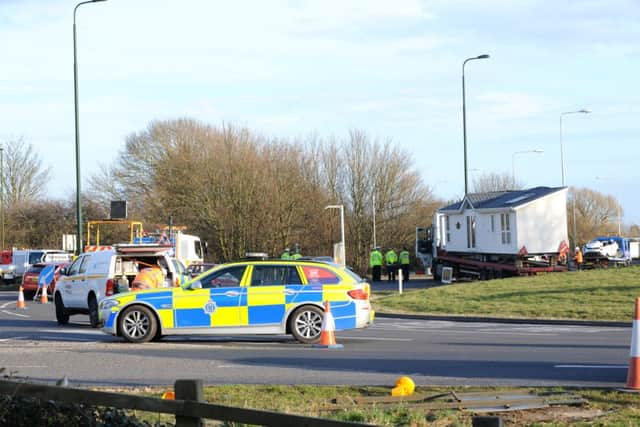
(248,297)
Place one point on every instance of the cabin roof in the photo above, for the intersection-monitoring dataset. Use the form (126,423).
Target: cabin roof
(500,199)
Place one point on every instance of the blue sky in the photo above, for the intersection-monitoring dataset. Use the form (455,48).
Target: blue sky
(292,68)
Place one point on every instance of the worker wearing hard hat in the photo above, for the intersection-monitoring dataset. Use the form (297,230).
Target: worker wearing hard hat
(578,258)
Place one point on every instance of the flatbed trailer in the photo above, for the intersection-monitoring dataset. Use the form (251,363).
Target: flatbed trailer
(474,267)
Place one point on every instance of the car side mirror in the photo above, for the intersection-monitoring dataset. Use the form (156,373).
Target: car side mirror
(196,285)
(63,271)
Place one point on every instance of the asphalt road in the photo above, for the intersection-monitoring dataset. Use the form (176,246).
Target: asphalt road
(33,346)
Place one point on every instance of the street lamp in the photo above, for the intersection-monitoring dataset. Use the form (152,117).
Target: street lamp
(602,178)
(583,111)
(2,191)
(513,161)
(342,249)
(464,120)
(75,101)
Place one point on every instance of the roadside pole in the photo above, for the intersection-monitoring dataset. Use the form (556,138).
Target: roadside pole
(400,281)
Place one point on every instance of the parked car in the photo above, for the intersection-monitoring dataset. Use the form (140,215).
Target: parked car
(31,276)
(197,268)
(96,275)
(246,297)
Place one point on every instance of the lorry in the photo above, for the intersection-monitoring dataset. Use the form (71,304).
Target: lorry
(184,247)
(497,234)
(604,251)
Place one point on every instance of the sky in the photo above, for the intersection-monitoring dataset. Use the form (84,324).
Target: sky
(294,68)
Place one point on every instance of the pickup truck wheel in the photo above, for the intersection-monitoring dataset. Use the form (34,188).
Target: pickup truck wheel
(306,324)
(62,316)
(94,319)
(137,324)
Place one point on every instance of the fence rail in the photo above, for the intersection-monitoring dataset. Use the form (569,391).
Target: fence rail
(188,411)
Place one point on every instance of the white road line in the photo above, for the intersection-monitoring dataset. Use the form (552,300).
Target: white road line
(25,366)
(593,366)
(450,331)
(15,314)
(7,303)
(374,338)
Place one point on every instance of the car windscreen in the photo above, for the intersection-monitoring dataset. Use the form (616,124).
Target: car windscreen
(35,257)
(36,269)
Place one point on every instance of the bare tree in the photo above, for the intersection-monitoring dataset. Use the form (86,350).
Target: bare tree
(595,214)
(25,178)
(494,181)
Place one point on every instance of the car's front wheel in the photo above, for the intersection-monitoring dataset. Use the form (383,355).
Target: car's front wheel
(137,324)
(305,324)
(62,316)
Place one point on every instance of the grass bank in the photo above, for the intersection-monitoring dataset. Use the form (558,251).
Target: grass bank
(604,294)
(603,408)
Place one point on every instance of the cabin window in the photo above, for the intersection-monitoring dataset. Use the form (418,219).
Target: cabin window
(506,229)
(448,228)
(471,232)
(493,223)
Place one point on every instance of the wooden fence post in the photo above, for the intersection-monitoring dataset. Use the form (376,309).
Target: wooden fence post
(189,390)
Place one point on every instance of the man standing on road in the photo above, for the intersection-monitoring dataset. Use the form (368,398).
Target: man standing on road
(375,261)
(391,261)
(404,264)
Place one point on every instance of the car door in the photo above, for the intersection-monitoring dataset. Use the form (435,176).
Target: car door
(216,304)
(271,288)
(70,285)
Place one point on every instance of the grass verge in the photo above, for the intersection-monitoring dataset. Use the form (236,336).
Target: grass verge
(604,407)
(604,294)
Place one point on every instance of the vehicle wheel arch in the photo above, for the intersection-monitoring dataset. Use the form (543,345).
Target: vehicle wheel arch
(116,321)
(287,320)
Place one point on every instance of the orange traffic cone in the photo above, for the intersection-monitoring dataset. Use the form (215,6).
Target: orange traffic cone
(21,304)
(633,374)
(327,334)
(43,295)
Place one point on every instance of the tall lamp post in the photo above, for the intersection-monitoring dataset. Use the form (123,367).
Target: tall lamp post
(2,191)
(464,120)
(342,249)
(513,160)
(77,120)
(582,111)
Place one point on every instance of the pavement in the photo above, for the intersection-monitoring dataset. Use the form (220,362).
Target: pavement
(423,282)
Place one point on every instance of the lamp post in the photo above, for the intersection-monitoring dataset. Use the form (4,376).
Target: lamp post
(341,207)
(513,161)
(464,120)
(374,219)
(582,111)
(602,178)
(77,128)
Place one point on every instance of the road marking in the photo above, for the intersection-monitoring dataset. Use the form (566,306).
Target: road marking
(7,303)
(12,338)
(25,366)
(593,366)
(374,338)
(15,314)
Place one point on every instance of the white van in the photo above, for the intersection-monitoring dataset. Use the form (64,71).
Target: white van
(23,259)
(95,275)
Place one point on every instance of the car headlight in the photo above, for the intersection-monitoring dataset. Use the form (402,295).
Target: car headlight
(108,304)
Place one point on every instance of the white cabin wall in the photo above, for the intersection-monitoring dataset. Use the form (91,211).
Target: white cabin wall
(486,240)
(542,224)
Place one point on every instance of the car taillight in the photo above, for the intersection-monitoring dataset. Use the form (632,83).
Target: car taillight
(358,294)
(110,288)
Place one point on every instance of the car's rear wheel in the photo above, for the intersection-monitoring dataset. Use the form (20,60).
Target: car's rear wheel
(62,316)
(94,319)
(305,324)
(137,324)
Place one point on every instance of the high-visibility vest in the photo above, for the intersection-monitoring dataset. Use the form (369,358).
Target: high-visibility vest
(404,257)
(391,257)
(375,259)
(148,278)
(297,255)
(285,255)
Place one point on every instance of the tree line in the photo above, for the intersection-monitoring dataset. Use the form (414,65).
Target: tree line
(244,192)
